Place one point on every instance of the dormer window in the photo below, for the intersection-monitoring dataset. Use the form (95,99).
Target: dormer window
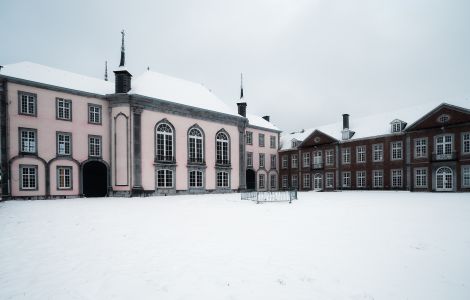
(443,119)
(397,126)
(295,143)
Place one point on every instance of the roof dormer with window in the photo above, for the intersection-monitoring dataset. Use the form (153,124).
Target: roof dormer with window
(397,126)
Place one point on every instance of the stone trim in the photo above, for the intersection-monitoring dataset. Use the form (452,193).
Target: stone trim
(36,142)
(165,191)
(137,147)
(58,180)
(35,114)
(57,133)
(57,109)
(127,149)
(101,114)
(21,166)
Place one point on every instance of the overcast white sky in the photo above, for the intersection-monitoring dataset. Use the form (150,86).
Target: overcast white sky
(304,62)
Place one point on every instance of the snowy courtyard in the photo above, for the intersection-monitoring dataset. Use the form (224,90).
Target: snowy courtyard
(342,245)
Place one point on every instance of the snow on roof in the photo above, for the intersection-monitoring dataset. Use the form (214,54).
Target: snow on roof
(369,126)
(164,87)
(51,76)
(260,122)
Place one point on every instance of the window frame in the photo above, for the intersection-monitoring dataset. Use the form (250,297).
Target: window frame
(165,146)
(361,154)
(57,110)
(262,160)
(165,178)
(20,140)
(58,187)
(273,162)
(392,144)
(344,177)
(361,175)
(273,181)
(306,159)
(425,146)
(296,166)
(392,177)
(346,152)
(20,103)
(465,167)
(193,146)
(249,159)
(285,161)
(374,172)
(306,181)
(272,141)
(381,151)
(327,178)
(36,177)
(261,141)
(100,107)
(219,142)
(249,137)
(465,140)
(285,181)
(296,181)
(98,137)
(69,134)
(330,153)
(261,176)
(221,177)
(415,177)
(199,182)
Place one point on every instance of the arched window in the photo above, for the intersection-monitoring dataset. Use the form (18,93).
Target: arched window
(165,140)
(195,146)
(164,178)
(444,179)
(223,156)
(195,179)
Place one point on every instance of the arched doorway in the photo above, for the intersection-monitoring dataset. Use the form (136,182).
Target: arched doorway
(250,179)
(318,182)
(95,179)
(444,179)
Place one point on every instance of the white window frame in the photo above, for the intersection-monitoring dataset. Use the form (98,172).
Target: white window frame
(249,159)
(306,181)
(223,179)
(329,176)
(262,160)
(465,142)
(261,141)
(196,179)
(31,175)
(273,181)
(28,140)
(295,161)
(346,156)
(376,175)
(64,109)
(361,154)
(285,181)
(272,141)
(273,161)
(361,179)
(64,177)
(195,145)
(164,142)
(446,145)
(346,179)
(285,161)
(295,179)
(419,178)
(64,139)
(249,137)
(167,175)
(330,157)
(94,113)
(95,146)
(421,147)
(396,178)
(27,104)
(466,176)
(379,151)
(222,148)
(261,181)
(306,159)
(396,150)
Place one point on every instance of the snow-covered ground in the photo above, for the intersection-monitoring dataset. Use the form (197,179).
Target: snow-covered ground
(345,245)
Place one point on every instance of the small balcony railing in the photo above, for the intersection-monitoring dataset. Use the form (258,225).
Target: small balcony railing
(164,159)
(196,160)
(222,162)
(317,166)
(444,156)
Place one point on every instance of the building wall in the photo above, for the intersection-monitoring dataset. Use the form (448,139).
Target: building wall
(256,149)
(47,126)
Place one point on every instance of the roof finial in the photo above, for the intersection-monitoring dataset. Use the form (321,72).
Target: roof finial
(241,86)
(106,70)
(148,68)
(123,55)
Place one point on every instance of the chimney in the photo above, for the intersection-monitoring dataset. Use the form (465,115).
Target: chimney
(122,76)
(345,121)
(242,109)
(266,118)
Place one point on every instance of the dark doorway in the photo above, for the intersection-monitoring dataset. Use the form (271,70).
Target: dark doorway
(95,179)
(250,179)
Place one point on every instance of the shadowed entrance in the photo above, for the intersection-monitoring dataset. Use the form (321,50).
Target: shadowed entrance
(250,179)
(95,176)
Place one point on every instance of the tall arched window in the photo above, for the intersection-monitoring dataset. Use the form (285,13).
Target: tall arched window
(195,146)
(222,144)
(164,147)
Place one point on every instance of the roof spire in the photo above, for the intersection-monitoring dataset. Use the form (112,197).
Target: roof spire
(106,70)
(241,86)
(123,55)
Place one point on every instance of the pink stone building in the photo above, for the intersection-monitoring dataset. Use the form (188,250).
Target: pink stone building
(68,135)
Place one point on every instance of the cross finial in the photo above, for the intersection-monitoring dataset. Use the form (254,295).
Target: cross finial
(241,85)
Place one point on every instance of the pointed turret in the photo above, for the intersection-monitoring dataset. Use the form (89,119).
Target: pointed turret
(106,70)
(122,76)
(242,104)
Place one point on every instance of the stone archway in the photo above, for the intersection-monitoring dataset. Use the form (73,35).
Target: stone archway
(95,179)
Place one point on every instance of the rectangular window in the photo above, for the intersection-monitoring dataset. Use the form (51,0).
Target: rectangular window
(421,177)
(28,141)
(261,139)
(306,180)
(306,159)
(397,150)
(444,145)
(466,176)
(378,152)
(273,161)
(195,179)
(466,143)
(318,159)
(29,177)
(361,179)
(272,141)
(397,178)
(273,181)
(285,181)
(261,181)
(285,161)
(64,109)
(249,138)
(330,180)
(294,181)
(378,178)
(164,178)
(330,157)
(261,160)
(421,148)
(346,155)
(361,154)
(396,126)
(64,178)
(94,146)
(27,104)
(64,143)
(249,159)
(222,179)
(346,179)
(295,161)
(94,114)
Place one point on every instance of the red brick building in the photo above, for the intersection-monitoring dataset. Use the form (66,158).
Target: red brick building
(422,148)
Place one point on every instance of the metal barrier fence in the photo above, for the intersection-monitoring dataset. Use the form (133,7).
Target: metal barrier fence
(276,196)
